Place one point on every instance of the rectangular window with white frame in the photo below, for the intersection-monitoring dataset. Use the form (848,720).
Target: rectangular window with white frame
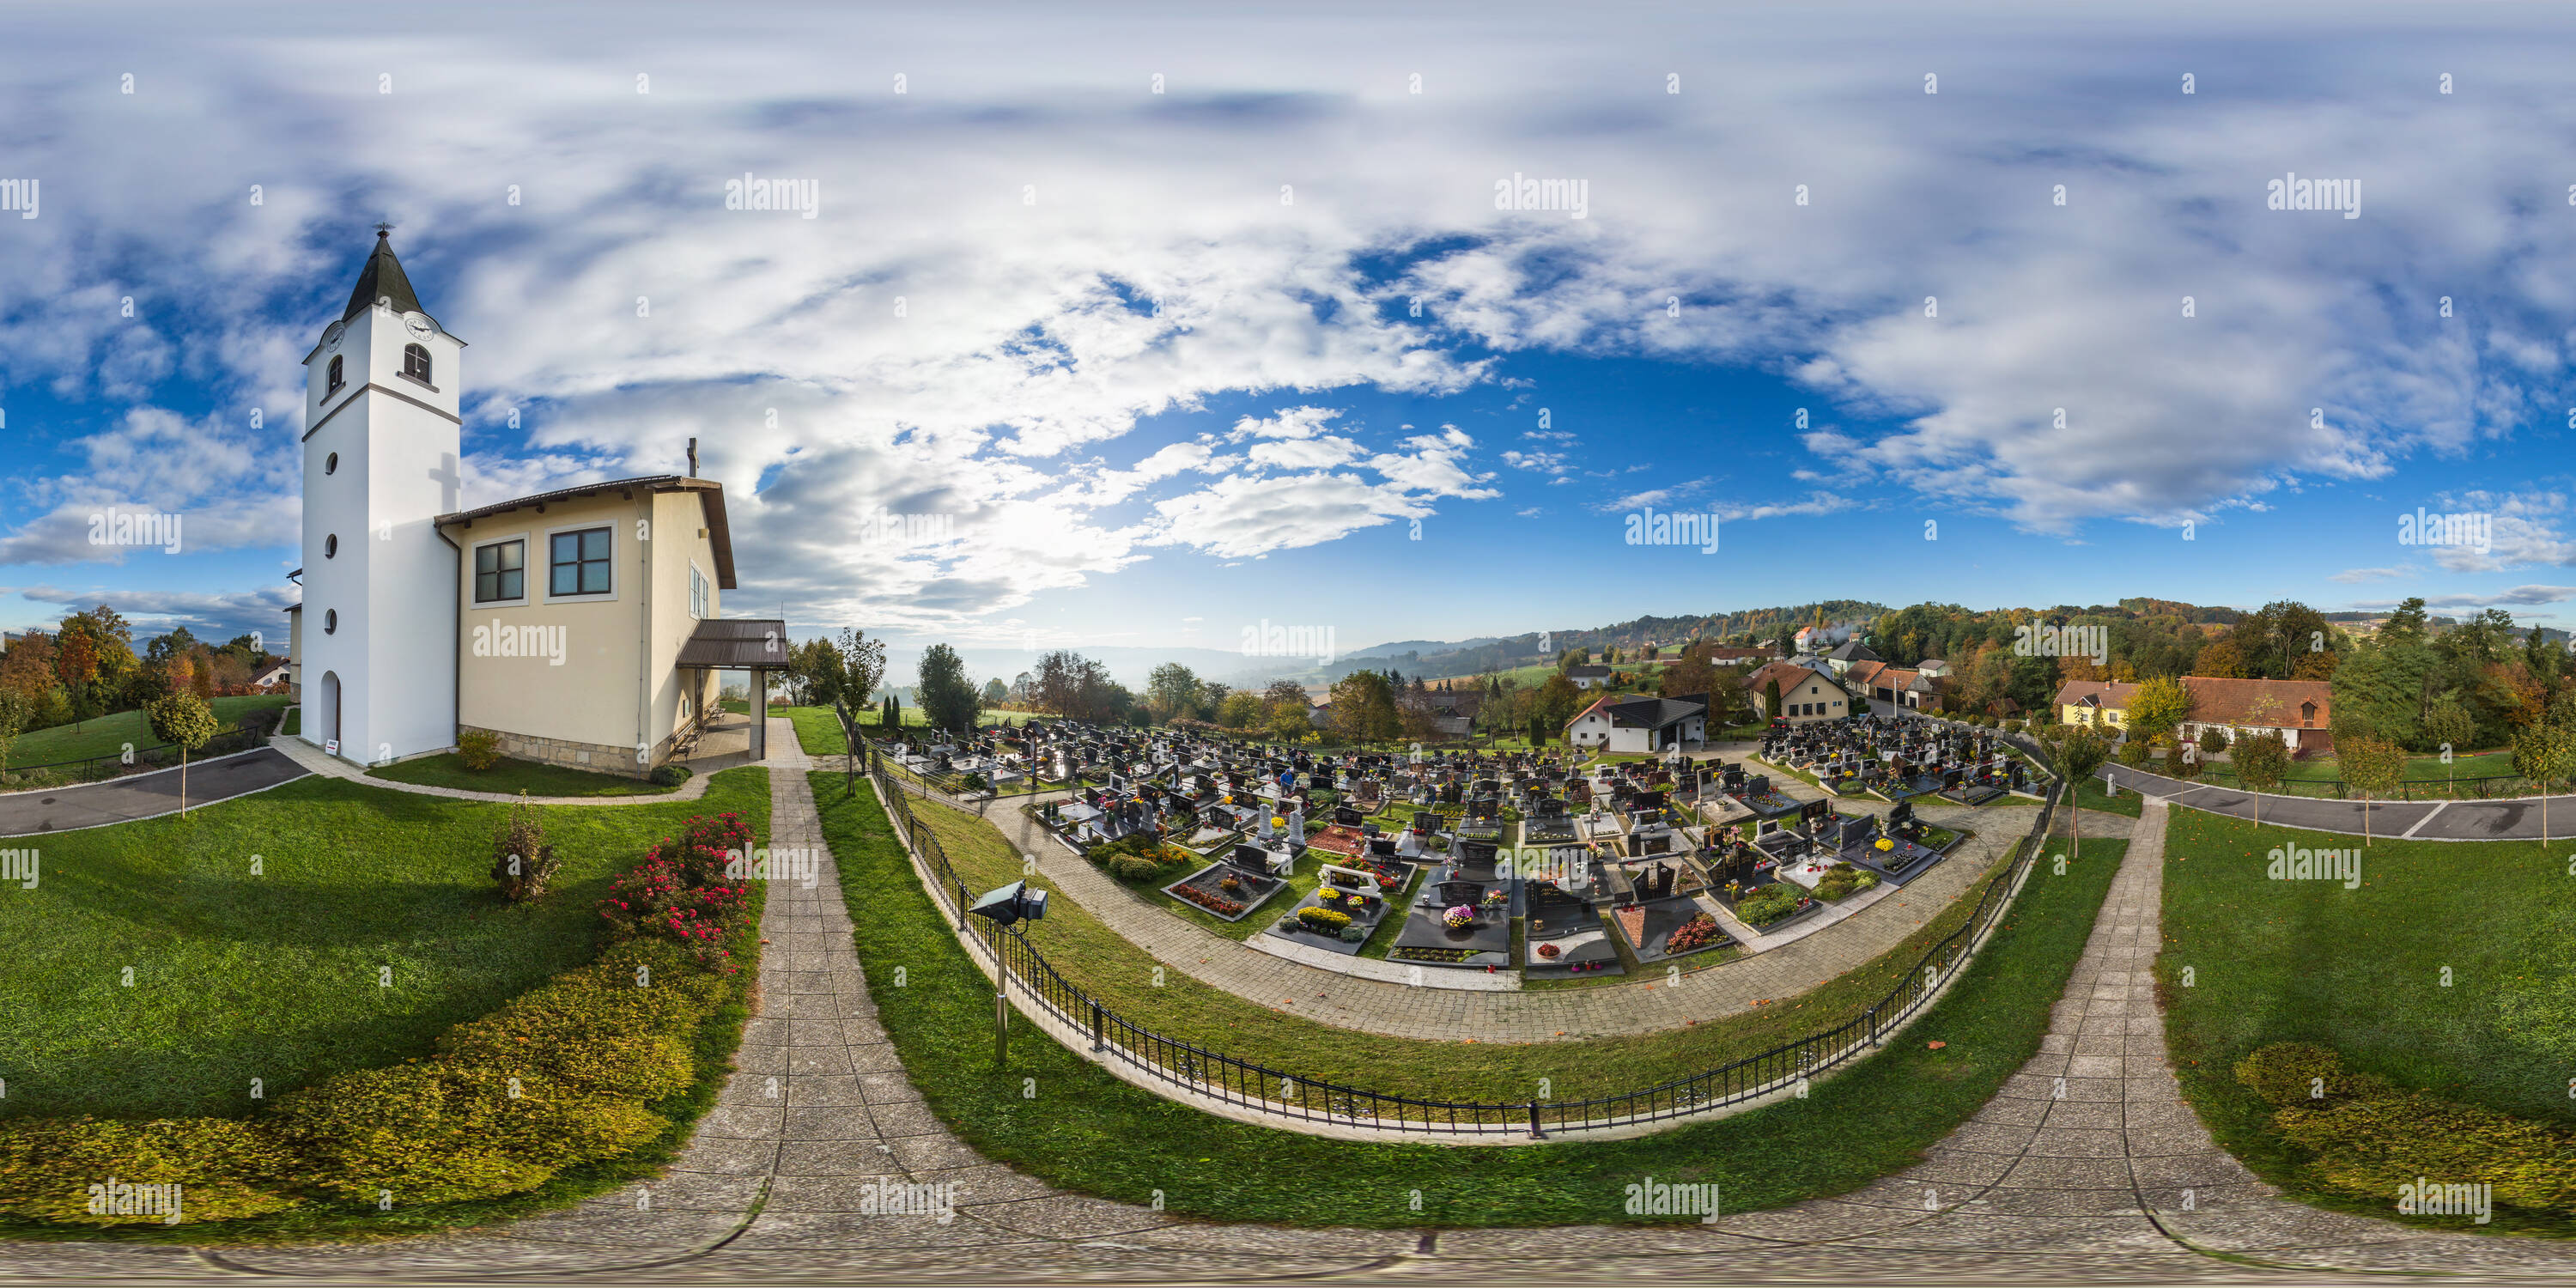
(697,593)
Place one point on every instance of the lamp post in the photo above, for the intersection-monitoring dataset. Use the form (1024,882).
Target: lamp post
(1006,908)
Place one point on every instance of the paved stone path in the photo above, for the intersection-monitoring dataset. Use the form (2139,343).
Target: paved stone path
(2087,1188)
(1401,1009)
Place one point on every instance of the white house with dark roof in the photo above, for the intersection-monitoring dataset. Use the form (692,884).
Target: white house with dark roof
(580,625)
(1639,724)
(1590,675)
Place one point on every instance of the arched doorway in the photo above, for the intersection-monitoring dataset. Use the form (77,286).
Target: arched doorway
(325,716)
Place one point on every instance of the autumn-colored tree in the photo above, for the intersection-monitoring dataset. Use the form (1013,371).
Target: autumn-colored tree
(2545,753)
(2220,660)
(184,722)
(76,662)
(2315,666)
(28,668)
(2158,708)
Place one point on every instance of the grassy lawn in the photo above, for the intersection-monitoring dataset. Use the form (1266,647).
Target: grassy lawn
(1087,1131)
(1122,975)
(514,776)
(275,976)
(2361,971)
(107,735)
(2089,795)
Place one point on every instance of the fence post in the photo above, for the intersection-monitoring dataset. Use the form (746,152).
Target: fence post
(1535,1133)
(1873,1024)
(1099,1028)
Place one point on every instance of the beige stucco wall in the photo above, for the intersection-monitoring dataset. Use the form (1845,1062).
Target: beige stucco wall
(591,699)
(680,541)
(1808,691)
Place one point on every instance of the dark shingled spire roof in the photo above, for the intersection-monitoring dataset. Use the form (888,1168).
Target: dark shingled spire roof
(382,278)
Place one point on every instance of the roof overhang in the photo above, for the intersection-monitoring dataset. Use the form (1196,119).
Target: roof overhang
(736,644)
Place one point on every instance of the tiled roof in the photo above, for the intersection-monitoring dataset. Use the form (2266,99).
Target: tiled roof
(2098,693)
(2264,704)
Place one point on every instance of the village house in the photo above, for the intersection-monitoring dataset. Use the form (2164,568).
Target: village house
(1588,676)
(1805,695)
(1848,654)
(2301,711)
(1914,690)
(1640,724)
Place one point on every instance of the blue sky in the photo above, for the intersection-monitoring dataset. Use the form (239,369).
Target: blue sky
(1156,357)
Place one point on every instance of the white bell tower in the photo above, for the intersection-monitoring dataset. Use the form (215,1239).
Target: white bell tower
(381,462)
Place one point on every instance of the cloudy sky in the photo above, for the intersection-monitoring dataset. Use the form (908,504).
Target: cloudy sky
(1188,321)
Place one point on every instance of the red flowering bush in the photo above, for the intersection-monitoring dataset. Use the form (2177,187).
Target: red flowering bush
(683,891)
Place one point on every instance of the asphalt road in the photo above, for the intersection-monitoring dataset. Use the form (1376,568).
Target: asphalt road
(2499,820)
(123,800)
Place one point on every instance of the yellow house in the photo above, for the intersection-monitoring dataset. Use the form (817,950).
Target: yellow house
(2103,704)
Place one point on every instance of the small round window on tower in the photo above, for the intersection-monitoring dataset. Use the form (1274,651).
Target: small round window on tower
(331,546)
(331,463)
(330,620)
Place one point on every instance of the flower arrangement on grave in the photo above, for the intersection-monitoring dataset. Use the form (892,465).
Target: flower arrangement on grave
(1231,885)
(1698,932)
(1458,918)
(1885,845)
(1329,895)
(1326,920)
(1497,896)
(1217,904)
(1550,952)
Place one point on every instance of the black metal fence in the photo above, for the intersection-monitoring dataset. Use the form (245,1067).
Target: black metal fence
(95,769)
(1213,1074)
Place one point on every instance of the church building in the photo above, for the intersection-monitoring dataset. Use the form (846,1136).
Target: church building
(581,625)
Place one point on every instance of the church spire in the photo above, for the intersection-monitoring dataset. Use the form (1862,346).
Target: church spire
(382,278)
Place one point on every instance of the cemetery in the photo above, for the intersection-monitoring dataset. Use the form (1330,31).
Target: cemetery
(1546,865)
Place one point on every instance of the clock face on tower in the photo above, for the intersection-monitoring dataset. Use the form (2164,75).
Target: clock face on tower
(419,325)
(331,338)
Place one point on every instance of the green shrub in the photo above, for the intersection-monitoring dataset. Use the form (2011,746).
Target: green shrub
(1769,904)
(2133,753)
(1354,935)
(226,1168)
(478,749)
(670,775)
(523,864)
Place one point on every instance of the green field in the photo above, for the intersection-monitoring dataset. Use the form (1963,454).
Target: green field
(276,975)
(2363,971)
(1087,1131)
(108,735)
(511,777)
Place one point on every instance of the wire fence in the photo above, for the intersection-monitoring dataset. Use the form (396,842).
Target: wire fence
(1200,1071)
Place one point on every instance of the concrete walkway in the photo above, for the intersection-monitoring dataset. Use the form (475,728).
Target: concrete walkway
(141,796)
(1400,1009)
(2518,819)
